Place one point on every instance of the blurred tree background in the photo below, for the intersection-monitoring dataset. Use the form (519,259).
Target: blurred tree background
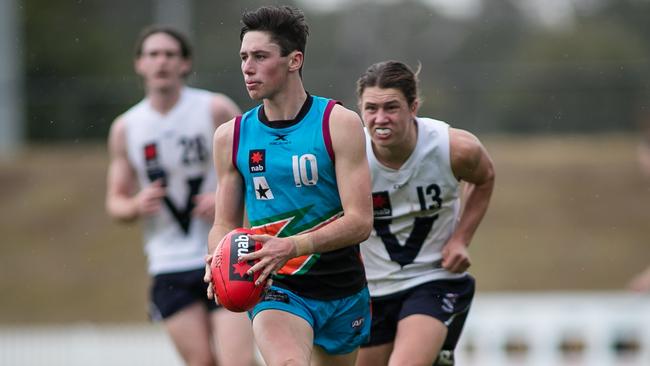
(501,67)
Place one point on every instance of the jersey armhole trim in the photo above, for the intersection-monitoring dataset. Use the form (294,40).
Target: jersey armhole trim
(235,140)
(326,127)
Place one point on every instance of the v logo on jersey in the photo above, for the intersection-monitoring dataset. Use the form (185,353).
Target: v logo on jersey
(405,254)
(156,172)
(184,217)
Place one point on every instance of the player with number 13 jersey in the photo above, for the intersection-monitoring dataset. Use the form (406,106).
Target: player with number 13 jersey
(417,256)
(415,208)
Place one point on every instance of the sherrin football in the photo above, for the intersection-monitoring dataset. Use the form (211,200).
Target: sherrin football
(235,289)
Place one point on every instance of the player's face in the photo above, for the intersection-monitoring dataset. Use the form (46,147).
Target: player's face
(265,70)
(387,116)
(161,63)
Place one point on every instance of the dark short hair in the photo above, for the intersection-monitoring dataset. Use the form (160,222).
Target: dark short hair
(390,74)
(286,25)
(186,49)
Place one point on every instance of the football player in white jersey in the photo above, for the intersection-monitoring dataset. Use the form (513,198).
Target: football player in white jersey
(161,172)
(416,257)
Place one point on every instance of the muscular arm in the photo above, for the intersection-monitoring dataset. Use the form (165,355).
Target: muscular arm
(472,165)
(353,177)
(223,109)
(229,195)
(122,202)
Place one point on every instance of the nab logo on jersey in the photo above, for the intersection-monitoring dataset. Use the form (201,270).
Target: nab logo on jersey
(257,161)
(240,245)
(381,204)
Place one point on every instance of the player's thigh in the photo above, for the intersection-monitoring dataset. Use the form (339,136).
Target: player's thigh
(282,337)
(418,341)
(321,358)
(374,355)
(189,329)
(234,338)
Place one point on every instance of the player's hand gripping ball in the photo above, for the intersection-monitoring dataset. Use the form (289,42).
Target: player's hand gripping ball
(235,289)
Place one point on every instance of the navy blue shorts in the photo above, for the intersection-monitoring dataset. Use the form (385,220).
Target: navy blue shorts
(446,300)
(171,292)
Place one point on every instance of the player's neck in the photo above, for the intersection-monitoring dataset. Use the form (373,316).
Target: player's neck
(163,100)
(286,104)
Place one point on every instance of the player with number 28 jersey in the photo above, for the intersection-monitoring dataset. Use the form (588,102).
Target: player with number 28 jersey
(175,148)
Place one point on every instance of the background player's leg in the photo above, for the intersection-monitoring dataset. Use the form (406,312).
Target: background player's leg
(234,338)
(189,329)
(418,341)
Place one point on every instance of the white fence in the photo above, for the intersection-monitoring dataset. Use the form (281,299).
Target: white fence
(557,329)
(540,329)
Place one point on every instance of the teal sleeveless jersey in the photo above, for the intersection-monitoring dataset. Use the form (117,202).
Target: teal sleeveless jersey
(290,188)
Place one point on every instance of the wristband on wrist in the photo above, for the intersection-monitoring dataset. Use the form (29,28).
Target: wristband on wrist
(303,243)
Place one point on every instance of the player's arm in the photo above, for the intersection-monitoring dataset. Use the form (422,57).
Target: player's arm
(353,177)
(122,202)
(223,109)
(229,195)
(471,164)
(355,189)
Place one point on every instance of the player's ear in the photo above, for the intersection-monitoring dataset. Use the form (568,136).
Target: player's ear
(296,59)
(414,107)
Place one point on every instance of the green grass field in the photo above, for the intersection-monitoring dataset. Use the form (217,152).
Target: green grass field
(569,213)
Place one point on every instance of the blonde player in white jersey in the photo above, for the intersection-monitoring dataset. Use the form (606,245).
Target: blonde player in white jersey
(161,171)
(416,256)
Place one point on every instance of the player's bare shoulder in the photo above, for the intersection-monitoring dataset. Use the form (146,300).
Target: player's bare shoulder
(344,117)
(469,158)
(223,108)
(463,143)
(345,126)
(117,136)
(346,130)
(223,137)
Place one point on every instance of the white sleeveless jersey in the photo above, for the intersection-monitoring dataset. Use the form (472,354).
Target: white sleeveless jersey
(416,209)
(177,148)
